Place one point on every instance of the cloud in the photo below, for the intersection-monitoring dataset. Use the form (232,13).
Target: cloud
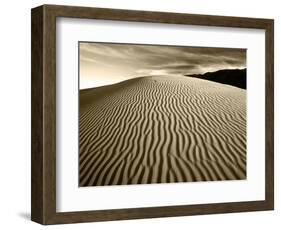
(131,60)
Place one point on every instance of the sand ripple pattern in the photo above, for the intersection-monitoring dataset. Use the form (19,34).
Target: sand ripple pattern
(162,129)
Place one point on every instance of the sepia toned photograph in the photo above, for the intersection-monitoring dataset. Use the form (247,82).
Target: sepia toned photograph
(148,114)
(161,114)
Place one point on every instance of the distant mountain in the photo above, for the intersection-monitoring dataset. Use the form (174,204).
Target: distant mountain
(234,77)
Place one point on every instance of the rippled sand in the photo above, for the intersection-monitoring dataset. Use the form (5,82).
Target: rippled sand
(162,129)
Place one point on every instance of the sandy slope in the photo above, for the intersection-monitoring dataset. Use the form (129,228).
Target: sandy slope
(162,129)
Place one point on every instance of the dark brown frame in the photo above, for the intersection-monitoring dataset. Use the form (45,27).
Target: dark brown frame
(43,188)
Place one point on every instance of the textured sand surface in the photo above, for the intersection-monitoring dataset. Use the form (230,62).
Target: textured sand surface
(162,129)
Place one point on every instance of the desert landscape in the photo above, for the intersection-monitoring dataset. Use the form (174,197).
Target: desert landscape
(162,129)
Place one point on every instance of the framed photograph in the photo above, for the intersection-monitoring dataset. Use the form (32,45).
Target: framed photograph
(139,114)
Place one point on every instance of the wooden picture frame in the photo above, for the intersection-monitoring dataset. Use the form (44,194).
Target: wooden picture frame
(43,205)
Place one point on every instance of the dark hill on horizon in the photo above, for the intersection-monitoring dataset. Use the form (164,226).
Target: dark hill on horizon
(234,77)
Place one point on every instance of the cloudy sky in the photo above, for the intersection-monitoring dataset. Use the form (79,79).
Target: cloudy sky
(108,63)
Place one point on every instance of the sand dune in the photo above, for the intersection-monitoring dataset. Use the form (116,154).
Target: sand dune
(162,129)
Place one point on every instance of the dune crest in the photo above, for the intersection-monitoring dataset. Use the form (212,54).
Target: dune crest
(162,129)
